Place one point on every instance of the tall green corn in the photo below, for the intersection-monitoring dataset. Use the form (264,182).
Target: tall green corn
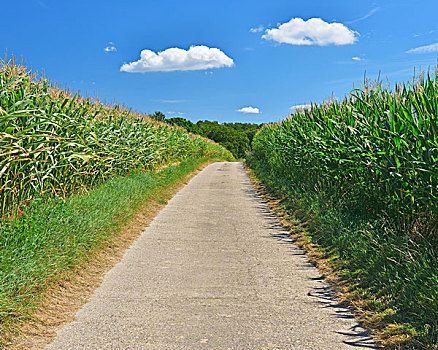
(375,146)
(53,142)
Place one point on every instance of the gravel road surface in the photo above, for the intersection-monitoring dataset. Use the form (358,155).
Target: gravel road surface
(214,270)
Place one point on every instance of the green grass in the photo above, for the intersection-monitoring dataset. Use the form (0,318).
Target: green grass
(361,174)
(54,235)
(72,171)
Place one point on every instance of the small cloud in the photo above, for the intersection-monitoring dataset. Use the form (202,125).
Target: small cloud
(369,14)
(176,59)
(417,35)
(301,107)
(110,47)
(175,113)
(356,58)
(249,109)
(257,29)
(314,31)
(424,49)
(249,49)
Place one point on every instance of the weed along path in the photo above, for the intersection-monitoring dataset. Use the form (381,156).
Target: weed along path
(214,270)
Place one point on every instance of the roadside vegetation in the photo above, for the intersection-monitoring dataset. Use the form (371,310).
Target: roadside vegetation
(73,170)
(236,137)
(54,143)
(361,177)
(55,236)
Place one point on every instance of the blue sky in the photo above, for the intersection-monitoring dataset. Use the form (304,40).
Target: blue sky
(252,56)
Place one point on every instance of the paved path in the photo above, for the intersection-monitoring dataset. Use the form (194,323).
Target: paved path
(213,271)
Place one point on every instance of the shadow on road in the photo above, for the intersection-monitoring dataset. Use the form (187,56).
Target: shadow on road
(321,293)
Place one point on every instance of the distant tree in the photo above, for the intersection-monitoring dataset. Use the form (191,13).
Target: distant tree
(236,137)
(158,116)
(236,142)
(186,124)
(247,128)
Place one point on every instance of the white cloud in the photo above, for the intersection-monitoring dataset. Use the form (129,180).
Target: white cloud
(257,29)
(301,107)
(425,49)
(110,48)
(175,113)
(173,59)
(416,35)
(369,14)
(356,58)
(249,109)
(311,32)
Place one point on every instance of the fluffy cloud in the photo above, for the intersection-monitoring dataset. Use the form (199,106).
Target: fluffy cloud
(301,107)
(425,49)
(195,58)
(257,29)
(356,58)
(311,32)
(249,109)
(110,47)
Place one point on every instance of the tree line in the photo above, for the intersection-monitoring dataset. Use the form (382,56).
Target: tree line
(236,137)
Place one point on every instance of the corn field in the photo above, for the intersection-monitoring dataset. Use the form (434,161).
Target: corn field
(378,146)
(54,143)
(365,172)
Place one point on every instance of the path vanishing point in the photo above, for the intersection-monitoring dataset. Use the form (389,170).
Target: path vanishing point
(214,270)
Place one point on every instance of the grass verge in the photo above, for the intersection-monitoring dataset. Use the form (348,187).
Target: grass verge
(385,277)
(55,255)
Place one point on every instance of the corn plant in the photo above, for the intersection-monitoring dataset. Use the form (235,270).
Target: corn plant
(365,170)
(375,145)
(54,142)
